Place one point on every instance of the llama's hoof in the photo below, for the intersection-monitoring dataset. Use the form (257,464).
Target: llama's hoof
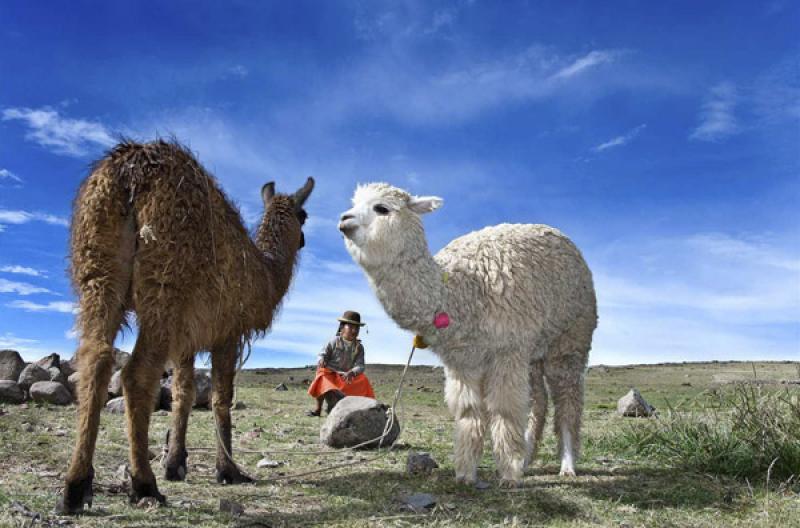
(76,494)
(231,475)
(175,467)
(141,489)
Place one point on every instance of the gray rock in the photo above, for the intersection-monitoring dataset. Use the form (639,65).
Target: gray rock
(11,365)
(267,463)
(420,501)
(229,506)
(31,374)
(69,367)
(121,359)
(633,404)
(57,376)
(239,405)
(282,387)
(72,382)
(202,389)
(116,406)
(52,360)
(11,392)
(50,392)
(115,385)
(165,395)
(355,420)
(420,463)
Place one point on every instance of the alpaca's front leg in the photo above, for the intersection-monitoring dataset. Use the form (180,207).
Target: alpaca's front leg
(463,399)
(223,362)
(507,402)
(183,393)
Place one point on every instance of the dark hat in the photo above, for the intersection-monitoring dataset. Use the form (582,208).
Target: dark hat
(351,317)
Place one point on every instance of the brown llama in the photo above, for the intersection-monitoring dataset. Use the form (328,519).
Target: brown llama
(152,233)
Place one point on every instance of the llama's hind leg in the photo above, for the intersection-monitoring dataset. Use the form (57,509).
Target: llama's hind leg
(538,414)
(223,365)
(464,400)
(96,358)
(565,379)
(183,394)
(140,382)
(508,401)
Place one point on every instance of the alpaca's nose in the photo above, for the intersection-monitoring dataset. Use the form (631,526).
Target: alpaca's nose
(347,224)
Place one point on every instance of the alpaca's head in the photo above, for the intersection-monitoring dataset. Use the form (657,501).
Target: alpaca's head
(385,223)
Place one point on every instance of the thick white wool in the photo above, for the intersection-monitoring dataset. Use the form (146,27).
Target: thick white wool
(522,309)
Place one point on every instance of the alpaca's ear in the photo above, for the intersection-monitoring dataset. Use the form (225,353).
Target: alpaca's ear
(424,204)
(267,193)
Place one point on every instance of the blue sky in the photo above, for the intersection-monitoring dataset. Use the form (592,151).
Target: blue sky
(662,138)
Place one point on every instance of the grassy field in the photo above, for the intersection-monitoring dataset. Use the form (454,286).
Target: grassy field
(613,487)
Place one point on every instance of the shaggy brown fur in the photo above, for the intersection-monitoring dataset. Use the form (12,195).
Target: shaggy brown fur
(153,233)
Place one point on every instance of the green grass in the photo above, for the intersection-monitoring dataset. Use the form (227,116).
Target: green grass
(706,477)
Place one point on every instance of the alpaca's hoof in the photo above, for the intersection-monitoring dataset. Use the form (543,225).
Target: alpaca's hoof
(231,475)
(76,494)
(141,489)
(567,472)
(175,467)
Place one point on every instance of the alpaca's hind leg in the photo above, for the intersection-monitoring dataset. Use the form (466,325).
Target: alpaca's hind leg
(538,414)
(464,400)
(508,401)
(140,382)
(182,400)
(565,379)
(223,365)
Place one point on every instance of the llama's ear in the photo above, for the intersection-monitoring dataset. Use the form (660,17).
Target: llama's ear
(267,192)
(303,193)
(424,204)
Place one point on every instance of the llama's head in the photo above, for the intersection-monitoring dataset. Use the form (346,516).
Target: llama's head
(287,209)
(385,223)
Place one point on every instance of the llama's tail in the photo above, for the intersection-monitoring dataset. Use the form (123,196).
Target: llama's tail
(538,413)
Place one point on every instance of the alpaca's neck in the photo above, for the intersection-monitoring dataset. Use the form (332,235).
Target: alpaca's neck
(410,288)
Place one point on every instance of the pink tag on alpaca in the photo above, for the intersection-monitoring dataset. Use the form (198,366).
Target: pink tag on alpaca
(442,320)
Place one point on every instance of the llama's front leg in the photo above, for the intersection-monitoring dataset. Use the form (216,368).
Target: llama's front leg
(565,379)
(223,362)
(96,359)
(183,394)
(140,382)
(463,399)
(507,403)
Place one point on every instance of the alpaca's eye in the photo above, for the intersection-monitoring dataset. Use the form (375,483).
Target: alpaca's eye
(381,210)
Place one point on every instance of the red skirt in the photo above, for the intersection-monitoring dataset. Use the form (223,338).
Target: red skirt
(327,380)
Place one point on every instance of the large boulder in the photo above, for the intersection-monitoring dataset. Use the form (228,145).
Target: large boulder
(115,385)
(69,367)
(57,376)
(11,392)
(11,365)
(52,360)
(121,359)
(202,389)
(356,420)
(72,382)
(633,404)
(50,392)
(31,374)
(165,395)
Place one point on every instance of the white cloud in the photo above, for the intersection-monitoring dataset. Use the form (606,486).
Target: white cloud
(72,137)
(21,288)
(22,270)
(53,306)
(6,174)
(717,119)
(591,60)
(23,217)
(620,140)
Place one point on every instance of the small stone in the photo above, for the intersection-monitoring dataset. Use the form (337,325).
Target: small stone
(633,404)
(267,463)
(28,428)
(482,485)
(420,463)
(282,387)
(420,501)
(59,432)
(239,405)
(231,507)
(116,406)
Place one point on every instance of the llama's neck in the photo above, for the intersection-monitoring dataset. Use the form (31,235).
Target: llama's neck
(411,289)
(277,256)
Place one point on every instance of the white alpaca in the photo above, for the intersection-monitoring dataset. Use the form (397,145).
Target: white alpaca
(521,309)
